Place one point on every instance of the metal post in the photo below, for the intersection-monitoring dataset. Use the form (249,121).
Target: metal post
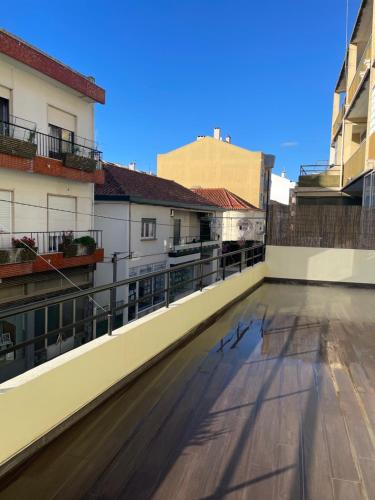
(167,297)
(241,255)
(113,298)
(224,261)
(201,277)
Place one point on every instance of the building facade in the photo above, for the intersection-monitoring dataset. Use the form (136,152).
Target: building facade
(210,162)
(348,177)
(49,164)
(151,224)
(281,188)
(241,222)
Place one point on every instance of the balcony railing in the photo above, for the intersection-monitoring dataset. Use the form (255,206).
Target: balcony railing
(80,326)
(189,240)
(356,163)
(362,70)
(49,241)
(20,137)
(321,176)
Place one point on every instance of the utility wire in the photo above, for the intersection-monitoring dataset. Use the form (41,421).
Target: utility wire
(114,218)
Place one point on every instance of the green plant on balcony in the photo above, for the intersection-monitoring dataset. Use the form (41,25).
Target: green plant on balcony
(22,250)
(77,160)
(76,247)
(16,147)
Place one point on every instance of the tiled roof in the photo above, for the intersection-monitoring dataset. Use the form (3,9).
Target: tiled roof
(25,53)
(224,198)
(120,181)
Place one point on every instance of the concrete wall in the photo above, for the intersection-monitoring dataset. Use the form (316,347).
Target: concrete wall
(210,163)
(35,402)
(31,93)
(321,264)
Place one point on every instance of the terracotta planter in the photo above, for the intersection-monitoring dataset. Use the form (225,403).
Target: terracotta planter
(16,255)
(17,147)
(78,250)
(79,162)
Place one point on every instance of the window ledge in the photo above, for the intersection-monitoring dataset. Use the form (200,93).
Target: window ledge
(148,239)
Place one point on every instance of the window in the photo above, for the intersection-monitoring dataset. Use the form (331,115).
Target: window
(148,229)
(60,141)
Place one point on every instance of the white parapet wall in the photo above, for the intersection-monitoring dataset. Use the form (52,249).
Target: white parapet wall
(42,399)
(321,264)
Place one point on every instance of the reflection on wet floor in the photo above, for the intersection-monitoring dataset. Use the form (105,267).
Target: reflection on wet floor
(273,401)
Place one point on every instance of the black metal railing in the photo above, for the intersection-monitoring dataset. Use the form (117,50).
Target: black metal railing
(188,240)
(49,241)
(48,145)
(314,169)
(205,272)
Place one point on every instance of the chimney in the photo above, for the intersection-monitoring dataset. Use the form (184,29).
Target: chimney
(283,173)
(228,139)
(217,132)
(200,137)
(132,165)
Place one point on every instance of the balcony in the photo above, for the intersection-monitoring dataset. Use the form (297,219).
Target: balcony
(20,138)
(363,70)
(19,251)
(187,245)
(319,176)
(338,122)
(356,164)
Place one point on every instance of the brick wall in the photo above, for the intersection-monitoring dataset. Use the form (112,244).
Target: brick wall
(56,259)
(48,166)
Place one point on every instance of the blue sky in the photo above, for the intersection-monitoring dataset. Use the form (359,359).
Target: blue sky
(174,69)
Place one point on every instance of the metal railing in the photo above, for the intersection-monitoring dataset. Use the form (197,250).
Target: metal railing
(49,241)
(48,145)
(314,169)
(223,266)
(188,240)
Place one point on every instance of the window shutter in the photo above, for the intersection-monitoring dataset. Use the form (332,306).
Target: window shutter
(62,221)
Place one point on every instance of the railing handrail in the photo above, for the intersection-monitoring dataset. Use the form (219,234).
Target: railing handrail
(310,169)
(26,308)
(34,133)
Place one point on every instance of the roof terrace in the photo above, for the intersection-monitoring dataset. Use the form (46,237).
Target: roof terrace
(274,400)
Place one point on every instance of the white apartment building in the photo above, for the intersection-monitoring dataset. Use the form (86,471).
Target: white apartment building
(49,165)
(152,224)
(280,188)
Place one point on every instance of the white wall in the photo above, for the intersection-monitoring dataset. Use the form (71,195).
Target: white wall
(280,189)
(31,94)
(34,189)
(321,264)
(243,224)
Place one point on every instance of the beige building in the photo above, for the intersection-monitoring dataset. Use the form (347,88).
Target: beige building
(348,176)
(210,162)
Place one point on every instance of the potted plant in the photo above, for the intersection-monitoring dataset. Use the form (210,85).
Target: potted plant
(77,159)
(24,249)
(85,245)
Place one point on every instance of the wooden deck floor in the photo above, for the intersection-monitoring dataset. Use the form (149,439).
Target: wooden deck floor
(287,416)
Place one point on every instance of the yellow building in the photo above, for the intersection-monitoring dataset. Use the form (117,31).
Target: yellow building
(210,162)
(348,177)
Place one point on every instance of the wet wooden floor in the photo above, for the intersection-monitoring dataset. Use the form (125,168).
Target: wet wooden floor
(290,415)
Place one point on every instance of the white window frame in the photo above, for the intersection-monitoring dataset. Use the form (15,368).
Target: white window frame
(148,229)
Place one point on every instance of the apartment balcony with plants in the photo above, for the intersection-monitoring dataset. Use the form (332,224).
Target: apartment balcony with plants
(59,153)
(23,253)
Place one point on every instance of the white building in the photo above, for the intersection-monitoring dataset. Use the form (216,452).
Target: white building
(280,188)
(241,221)
(152,224)
(49,165)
